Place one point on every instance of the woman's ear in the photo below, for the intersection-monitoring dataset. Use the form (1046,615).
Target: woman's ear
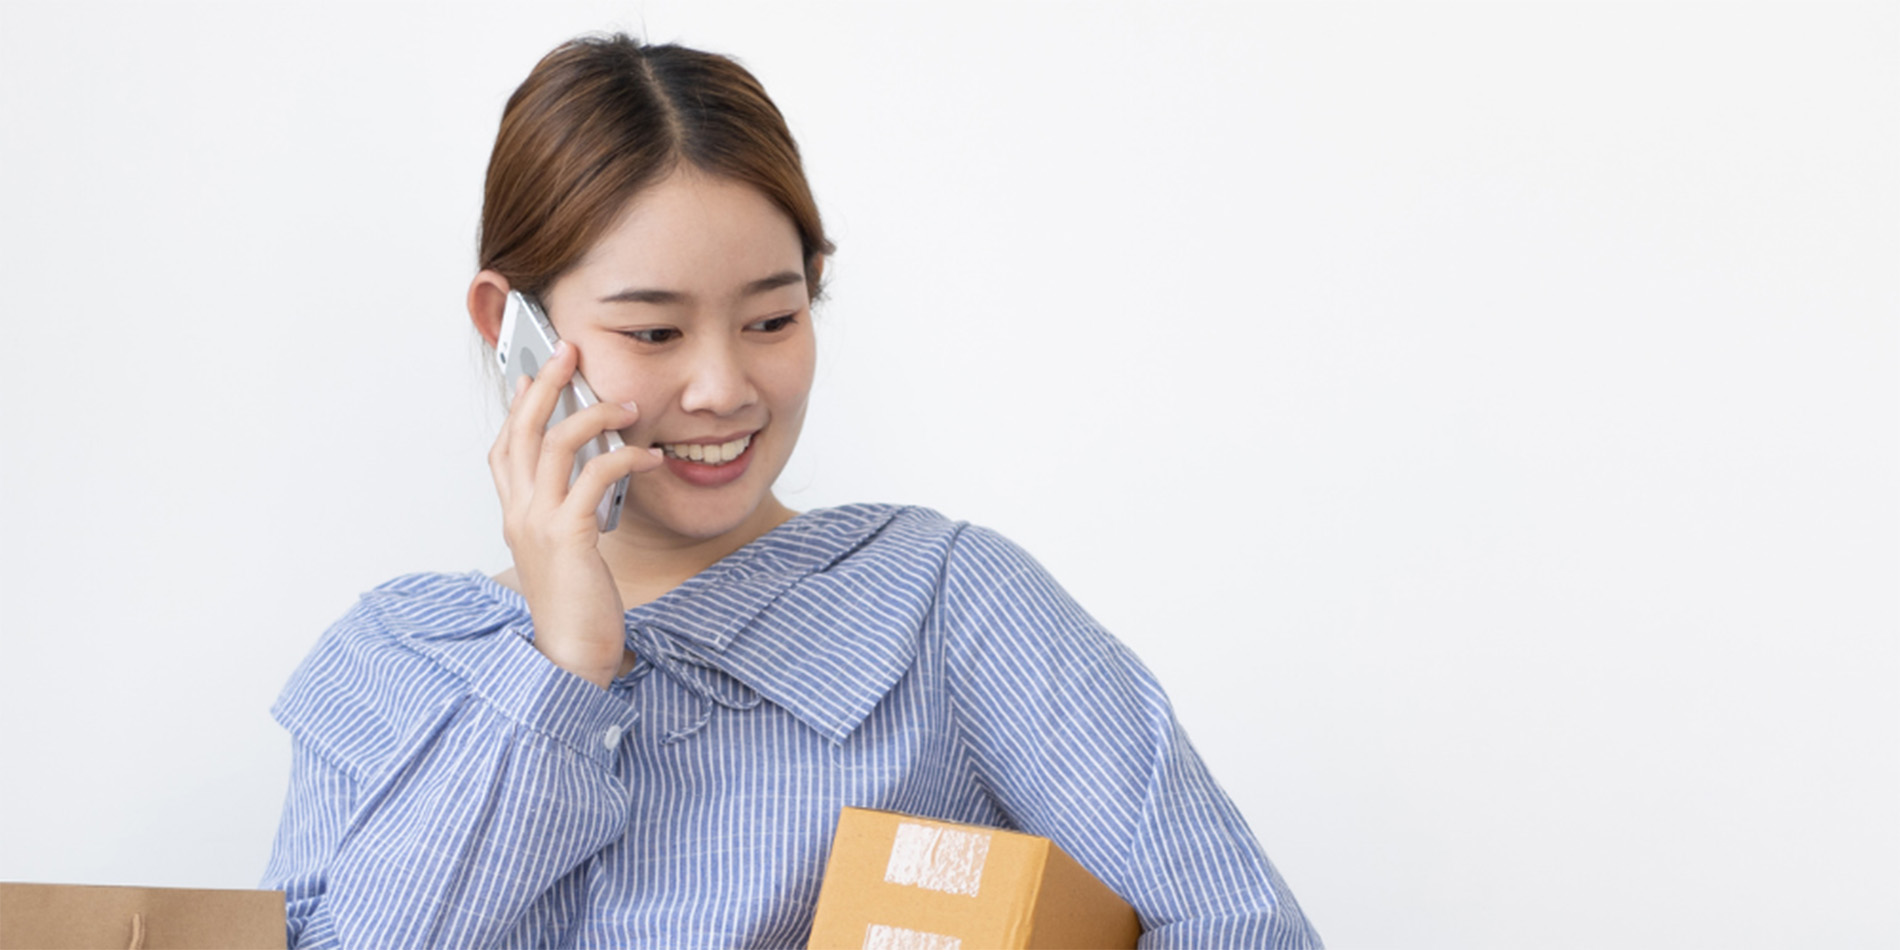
(487,298)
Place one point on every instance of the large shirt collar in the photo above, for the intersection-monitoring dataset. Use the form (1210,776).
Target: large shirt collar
(800,621)
(713,607)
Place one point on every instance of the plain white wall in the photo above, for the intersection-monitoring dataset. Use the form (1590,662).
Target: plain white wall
(1483,419)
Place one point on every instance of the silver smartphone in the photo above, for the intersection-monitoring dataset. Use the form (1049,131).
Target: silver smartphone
(526,343)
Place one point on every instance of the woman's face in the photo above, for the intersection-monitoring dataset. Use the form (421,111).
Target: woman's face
(693,307)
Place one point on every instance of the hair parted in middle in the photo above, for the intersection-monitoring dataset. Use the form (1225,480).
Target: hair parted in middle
(602,117)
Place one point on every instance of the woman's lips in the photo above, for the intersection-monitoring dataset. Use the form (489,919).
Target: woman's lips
(705,473)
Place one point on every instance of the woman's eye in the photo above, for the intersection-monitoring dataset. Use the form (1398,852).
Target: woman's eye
(657,335)
(775,324)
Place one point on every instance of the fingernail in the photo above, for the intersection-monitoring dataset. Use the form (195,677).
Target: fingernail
(521,383)
(629,406)
(560,346)
(658,453)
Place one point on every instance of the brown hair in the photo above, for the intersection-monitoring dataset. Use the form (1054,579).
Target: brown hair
(600,118)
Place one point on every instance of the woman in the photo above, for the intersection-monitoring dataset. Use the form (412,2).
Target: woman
(644,737)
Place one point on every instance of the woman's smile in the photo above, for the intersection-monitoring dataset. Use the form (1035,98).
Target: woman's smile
(711,452)
(709,465)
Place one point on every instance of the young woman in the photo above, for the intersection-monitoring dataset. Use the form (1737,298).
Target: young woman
(644,737)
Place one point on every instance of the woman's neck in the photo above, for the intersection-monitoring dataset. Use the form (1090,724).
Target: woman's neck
(647,563)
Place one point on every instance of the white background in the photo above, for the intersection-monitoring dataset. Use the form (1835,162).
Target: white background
(1483,419)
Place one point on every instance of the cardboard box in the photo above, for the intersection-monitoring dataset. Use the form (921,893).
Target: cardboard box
(74,916)
(895,882)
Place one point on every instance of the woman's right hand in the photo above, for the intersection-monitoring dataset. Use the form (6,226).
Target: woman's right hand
(550,527)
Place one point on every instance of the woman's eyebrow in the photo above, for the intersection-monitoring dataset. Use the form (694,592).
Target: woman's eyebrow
(784,278)
(637,295)
(751,289)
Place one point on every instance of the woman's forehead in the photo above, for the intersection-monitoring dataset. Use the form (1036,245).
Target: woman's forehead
(694,234)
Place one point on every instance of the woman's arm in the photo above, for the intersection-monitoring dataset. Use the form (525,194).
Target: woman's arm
(456,815)
(458,811)
(1077,742)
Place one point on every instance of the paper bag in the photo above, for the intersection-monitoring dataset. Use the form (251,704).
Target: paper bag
(75,916)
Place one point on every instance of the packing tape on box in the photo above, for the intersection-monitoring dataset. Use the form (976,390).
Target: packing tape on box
(880,937)
(938,859)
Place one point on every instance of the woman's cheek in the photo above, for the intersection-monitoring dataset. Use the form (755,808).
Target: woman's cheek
(624,383)
(793,376)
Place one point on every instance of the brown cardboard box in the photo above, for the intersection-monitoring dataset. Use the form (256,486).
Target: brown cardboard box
(896,882)
(75,916)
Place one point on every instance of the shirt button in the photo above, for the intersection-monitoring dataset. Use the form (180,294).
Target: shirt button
(612,737)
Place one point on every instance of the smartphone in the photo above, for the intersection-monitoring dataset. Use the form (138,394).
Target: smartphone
(525,345)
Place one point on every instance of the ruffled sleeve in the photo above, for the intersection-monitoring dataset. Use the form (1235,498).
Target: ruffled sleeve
(449,782)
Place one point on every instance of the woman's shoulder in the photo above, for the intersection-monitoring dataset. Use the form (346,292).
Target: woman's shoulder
(907,545)
(435,604)
(855,525)
(864,566)
(406,613)
(390,653)
(961,567)
(912,538)
(994,597)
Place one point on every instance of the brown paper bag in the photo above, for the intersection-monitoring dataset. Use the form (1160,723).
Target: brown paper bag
(76,916)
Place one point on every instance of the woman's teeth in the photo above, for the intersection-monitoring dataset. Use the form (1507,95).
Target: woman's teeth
(709,454)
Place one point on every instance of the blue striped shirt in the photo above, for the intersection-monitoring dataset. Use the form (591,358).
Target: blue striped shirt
(451,787)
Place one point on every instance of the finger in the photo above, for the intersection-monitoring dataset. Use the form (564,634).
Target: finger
(498,452)
(562,442)
(528,419)
(598,476)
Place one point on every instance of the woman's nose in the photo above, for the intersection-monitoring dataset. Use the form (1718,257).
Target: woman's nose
(716,381)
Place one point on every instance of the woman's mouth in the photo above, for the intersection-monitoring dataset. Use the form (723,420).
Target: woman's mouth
(707,454)
(709,465)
